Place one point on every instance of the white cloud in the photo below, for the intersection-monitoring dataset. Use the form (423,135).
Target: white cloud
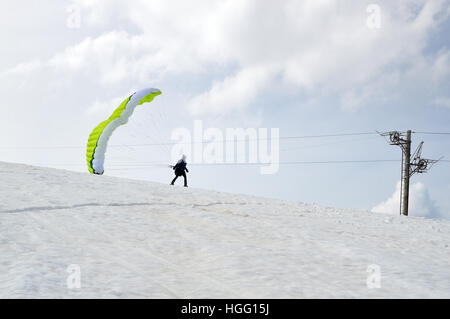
(23,68)
(111,57)
(102,107)
(420,202)
(319,47)
(441,65)
(235,92)
(283,35)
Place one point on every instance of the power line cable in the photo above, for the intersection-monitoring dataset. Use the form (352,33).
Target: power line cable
(433,133)
(193,142)
(279,163)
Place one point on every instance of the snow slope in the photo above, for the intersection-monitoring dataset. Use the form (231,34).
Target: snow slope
(147,240)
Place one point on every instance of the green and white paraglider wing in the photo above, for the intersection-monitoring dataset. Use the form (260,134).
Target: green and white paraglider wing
(98,139)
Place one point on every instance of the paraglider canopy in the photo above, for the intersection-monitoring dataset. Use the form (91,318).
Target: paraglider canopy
(98,139)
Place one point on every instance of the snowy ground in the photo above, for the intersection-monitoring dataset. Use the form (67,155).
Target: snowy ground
(147,240)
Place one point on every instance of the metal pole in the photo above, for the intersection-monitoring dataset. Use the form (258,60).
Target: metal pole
(401,184)
(406,173)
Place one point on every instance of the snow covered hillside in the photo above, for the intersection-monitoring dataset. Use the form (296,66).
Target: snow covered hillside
(138,239)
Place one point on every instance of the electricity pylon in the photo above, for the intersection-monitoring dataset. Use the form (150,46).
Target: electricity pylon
(409,168)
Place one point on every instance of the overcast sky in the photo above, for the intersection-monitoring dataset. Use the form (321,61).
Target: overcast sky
(306,67)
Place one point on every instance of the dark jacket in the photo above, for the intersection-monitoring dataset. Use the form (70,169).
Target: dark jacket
(180,167)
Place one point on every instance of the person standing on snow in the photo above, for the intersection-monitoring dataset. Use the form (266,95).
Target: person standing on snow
(180,169)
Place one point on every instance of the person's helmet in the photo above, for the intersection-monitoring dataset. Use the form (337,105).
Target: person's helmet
(183,157)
